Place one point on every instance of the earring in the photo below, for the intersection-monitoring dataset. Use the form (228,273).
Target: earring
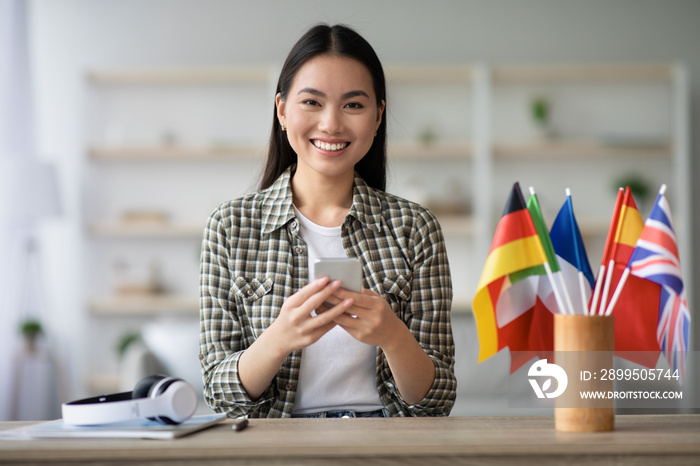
(284,128)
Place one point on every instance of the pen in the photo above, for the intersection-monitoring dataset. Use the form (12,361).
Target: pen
(240,425)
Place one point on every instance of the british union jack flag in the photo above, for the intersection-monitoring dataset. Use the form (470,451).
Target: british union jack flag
(655,258)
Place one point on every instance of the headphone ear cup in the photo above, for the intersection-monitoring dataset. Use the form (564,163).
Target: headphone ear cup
(160,387)
(144,386)
(180,393)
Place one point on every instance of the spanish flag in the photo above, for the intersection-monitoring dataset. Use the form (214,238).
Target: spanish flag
(507,291)
(635,320)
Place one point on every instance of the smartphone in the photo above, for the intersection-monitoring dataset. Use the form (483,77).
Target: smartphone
(348,271)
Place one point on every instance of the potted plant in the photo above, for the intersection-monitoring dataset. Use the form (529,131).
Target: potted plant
(540,112)
(125,342)
(640,188)
(30,330)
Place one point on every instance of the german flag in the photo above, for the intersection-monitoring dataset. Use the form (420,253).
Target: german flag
(507,292)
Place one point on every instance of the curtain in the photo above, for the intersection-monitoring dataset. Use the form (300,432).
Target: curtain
(28,390)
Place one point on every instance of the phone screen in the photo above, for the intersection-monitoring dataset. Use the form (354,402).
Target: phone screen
(348,271)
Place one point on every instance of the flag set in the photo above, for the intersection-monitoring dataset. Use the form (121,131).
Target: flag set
(530,275)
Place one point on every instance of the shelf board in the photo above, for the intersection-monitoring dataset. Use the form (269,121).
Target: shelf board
(593,226)
(180,76)
(456,224)
(135,305)
(175,153)
(412,74)
(564,148)
(145,230)
(410,150)
(394,74)
(524,74)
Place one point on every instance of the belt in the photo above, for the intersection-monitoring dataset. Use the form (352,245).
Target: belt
(343,413)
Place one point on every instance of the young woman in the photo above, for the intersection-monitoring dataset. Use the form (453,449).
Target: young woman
(276,344)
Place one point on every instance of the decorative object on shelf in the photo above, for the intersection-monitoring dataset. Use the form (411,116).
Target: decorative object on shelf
(540,112)
(448,207)
(144,217)
(428,135)
(415,191)
(174,342)
(169,138)
(134,284)
(31,329)
(136,360)
(640,187)
(126,341)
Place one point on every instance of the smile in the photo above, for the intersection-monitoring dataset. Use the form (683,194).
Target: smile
(330,147)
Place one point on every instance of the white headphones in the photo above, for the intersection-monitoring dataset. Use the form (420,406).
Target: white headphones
(157,397)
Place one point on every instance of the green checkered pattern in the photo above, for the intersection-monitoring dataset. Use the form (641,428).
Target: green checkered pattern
(253,259)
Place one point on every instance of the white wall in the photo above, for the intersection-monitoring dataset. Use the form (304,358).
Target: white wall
(70,36)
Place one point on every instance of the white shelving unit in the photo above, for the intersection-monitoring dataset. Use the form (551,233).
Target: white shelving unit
(609,121)
(180,141)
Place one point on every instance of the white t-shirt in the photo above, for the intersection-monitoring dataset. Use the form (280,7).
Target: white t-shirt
(337,372)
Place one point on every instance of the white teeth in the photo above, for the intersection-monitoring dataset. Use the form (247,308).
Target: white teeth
(330,147)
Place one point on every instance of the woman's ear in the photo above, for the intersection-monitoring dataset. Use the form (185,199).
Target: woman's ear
(380,113)
(279,103)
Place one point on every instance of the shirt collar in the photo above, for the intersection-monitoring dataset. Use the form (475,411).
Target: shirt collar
(278,209)
(366,205)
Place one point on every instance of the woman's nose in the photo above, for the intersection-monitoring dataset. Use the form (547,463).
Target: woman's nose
(331,121)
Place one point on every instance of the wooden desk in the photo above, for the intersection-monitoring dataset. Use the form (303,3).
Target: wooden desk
(641,439)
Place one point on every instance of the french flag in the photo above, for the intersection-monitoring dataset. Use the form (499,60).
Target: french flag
(571,255)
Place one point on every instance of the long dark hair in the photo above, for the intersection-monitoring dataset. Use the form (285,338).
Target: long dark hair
(337,40)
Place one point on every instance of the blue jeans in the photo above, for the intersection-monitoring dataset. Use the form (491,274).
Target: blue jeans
(345,413)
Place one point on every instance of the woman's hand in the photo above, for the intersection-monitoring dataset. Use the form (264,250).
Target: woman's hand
(295,327)
(368,317)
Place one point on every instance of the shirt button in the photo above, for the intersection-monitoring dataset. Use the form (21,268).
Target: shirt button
(289,386)
(249,292)
(294,224)
(407,290)
(298,249)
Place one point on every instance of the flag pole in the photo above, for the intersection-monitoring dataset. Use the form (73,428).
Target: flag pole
(601,272)
(618,290)
(606,286)
(557,295)
(596,291)
(611,263)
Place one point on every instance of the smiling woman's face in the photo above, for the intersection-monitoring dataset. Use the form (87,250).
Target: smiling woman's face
(331,115)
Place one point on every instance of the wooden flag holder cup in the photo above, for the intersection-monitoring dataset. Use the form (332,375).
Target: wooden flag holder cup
(584,343)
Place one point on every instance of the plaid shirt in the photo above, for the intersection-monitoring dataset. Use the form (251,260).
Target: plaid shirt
(253,259)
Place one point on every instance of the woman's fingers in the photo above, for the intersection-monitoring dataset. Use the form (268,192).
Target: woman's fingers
(306,292)
(329,314)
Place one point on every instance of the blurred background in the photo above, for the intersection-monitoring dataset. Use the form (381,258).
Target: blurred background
(124,123)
